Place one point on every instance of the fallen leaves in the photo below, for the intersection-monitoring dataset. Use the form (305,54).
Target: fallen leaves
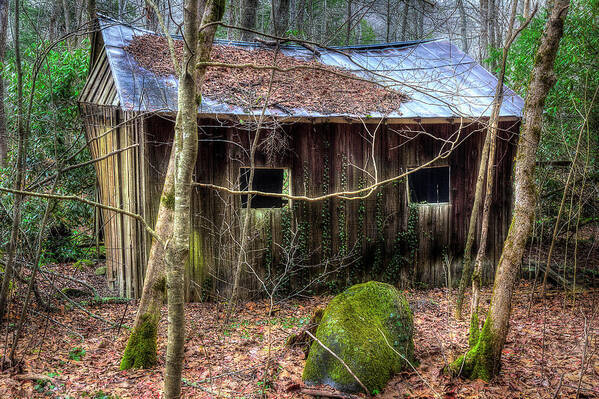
(314,87)
(229,360)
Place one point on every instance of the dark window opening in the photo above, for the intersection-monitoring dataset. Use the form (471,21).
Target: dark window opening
(265,180)
(429,185)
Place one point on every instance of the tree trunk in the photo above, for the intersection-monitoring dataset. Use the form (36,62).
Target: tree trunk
(280,17)
(3,30)
(67,22)
(404,23)
(300,18)
(484,29)
(234,8)
(493,128)
(348,22)
(526,11)
(141,347)
(36,267)
(198,48)
(151,20)
(463,25)
(91,17)
(20,175)
(483,360)
(467,262)
(248,18)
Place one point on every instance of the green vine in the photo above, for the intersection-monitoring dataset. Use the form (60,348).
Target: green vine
(354,272)
(379,251)
(286,228)
(341,209)
(268,256)
(404,248)
(326,209)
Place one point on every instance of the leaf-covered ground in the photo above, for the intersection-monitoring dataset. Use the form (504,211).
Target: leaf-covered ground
(544,346)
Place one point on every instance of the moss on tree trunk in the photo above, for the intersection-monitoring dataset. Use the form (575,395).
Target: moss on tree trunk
(140,352)
(482,360)
(474,330)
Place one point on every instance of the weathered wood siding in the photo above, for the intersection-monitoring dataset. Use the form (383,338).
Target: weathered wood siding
(325,158)
(321,158)
(120,185)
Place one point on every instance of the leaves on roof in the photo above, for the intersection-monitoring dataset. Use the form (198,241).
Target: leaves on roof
(313,87)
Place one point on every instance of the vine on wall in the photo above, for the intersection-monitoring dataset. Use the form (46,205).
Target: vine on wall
(341,208)
(404,248)
(326,207)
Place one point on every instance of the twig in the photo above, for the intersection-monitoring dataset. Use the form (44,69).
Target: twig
(58,323)
(327,394)
(559,386)
(411,365)
(63,276)
(584,355)
(341,361)
(88,202)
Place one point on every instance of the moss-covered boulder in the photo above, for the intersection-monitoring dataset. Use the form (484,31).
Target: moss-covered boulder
(360,325)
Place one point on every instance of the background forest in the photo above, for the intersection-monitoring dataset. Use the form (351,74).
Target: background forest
(60,66)
(40,83)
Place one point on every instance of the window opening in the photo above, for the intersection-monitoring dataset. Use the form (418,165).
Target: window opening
(429,185)
(268,180)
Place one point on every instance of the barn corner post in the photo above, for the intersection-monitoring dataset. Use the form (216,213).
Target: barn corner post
(483,360)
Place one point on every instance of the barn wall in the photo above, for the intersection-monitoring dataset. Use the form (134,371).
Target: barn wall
(372,237)
(109,130)
(371,234)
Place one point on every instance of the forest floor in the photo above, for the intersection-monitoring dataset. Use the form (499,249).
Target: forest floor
(74,356)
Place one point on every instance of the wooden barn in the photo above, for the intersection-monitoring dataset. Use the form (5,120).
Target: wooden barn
(412,104)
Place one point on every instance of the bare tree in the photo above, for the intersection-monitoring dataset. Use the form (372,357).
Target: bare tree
(197,49)
(483,360)
(280,12)
(248,18)
(3,31)
(20,172)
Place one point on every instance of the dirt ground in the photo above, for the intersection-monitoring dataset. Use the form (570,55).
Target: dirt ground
(80,356)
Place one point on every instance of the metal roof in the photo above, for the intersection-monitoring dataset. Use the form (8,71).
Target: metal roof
(440,80)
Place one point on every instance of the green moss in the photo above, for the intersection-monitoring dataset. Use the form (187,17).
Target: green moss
(83,264)
(168,200)
(480,361)
(352,326)
(195,253)
(474,330)
(140,352)
(194,266)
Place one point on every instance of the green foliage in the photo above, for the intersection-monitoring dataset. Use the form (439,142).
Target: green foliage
(341,207)
(368,34)
(577,79)
(404,248)
(379,250)
(360,325)
(83,264)
(326,207)
(104,395)
(77,353)
(576,69)
(55,134)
